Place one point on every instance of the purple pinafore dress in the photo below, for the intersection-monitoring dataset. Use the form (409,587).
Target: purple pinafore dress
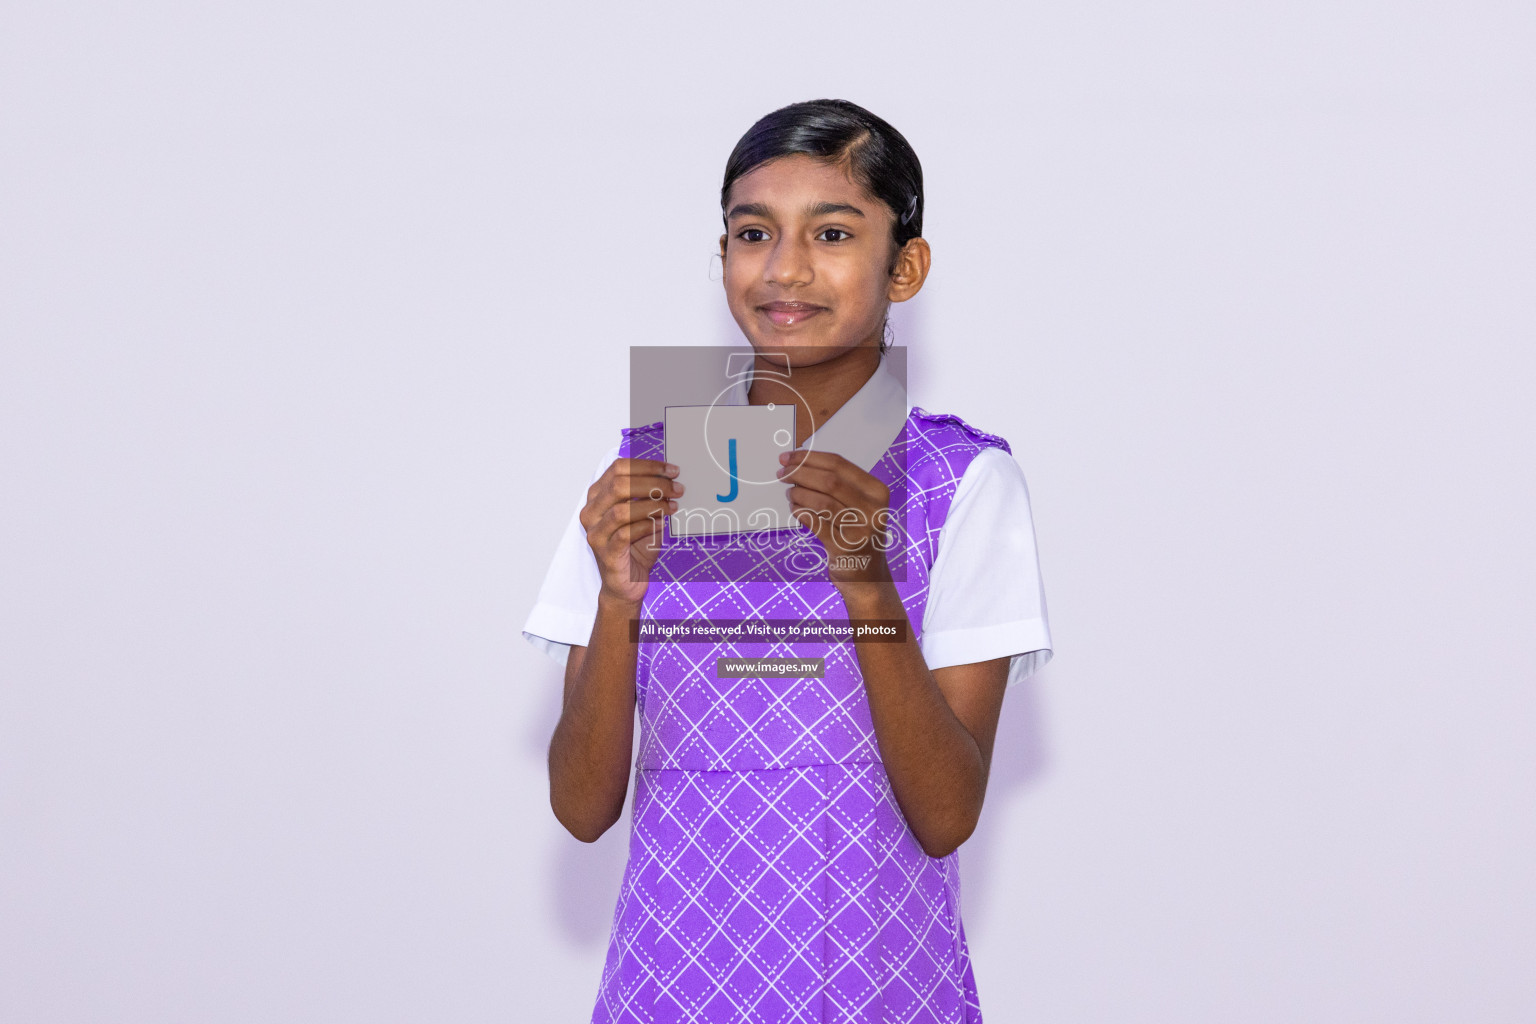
(771,876)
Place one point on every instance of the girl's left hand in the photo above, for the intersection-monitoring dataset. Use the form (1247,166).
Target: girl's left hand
(846,508)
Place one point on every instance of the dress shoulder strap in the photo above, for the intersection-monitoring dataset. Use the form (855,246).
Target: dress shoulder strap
(976,436)
(641,442)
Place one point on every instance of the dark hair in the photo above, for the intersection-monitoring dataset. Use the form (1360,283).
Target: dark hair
(878,158)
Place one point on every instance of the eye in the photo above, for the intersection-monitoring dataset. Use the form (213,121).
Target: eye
(751,231)
(844,236)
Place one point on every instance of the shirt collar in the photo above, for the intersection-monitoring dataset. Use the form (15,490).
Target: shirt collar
(863,428)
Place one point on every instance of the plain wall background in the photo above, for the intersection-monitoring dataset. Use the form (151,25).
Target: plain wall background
(315,318)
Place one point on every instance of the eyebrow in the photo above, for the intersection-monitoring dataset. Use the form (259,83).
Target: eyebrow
(821,209)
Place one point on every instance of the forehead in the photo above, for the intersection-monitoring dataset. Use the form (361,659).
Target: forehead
(788,183)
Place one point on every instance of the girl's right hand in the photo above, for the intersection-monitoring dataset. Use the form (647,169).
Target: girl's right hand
(622,518)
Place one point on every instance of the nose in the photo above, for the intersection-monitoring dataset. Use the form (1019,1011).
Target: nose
(789,263)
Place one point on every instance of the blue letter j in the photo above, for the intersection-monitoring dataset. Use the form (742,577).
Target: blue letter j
(731,445)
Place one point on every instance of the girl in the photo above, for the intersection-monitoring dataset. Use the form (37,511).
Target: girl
(792,848)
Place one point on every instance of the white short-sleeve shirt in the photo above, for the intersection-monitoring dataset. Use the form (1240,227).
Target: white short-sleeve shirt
(985,596)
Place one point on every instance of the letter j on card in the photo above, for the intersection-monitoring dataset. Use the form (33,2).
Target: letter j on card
(727,458)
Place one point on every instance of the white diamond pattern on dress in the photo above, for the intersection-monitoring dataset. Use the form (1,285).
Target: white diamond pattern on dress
(771,875)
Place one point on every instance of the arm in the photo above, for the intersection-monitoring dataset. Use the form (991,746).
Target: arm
(935,729)
(589,751)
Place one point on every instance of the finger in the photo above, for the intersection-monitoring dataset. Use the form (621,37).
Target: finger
(819,460)
(626,469)
(612,488)
(626,512)
(841,485)
(615,537)
(632,488)
(817,521)
(619,516)
(818,501)
(823,480)
(632,533)
(642,467)
(802,465)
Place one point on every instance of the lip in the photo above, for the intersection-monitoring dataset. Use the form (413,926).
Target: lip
(787,314)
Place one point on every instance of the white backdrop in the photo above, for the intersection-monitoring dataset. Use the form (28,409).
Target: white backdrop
(315,318)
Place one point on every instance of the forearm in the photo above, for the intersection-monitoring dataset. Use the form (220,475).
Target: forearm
(589,752)
(936,768)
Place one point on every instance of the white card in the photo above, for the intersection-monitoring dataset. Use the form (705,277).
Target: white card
(727,457)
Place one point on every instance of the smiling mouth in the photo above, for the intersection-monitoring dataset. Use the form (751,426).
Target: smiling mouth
(787,314)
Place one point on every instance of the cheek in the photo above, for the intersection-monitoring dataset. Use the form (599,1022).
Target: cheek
(861,292)
(737,277)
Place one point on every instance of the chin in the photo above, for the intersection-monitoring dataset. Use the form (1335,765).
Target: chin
(798,352)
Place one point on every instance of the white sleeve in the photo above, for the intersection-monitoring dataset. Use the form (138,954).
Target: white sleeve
(985,597)
(567,604)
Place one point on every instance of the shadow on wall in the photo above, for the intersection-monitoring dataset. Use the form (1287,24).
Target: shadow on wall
(1019,760)
(583,877)
(1019,754)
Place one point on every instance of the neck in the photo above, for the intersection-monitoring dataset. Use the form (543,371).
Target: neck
(818,390)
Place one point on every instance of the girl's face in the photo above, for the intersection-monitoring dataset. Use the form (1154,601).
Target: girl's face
(807,256)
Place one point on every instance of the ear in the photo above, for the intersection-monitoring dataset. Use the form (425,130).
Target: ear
(911,270)
(722,246)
